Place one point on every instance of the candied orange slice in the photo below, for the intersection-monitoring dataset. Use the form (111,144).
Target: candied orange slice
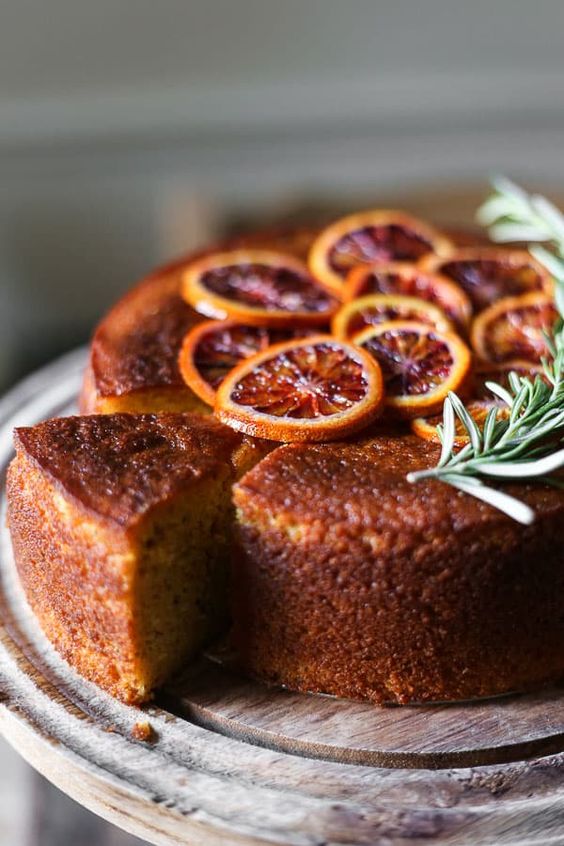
(371,237)
(409,280)
(256,287)
(355,316)
(420,364)
(426,427)
(513,328)
(313,389)
(488,273)
(213,348)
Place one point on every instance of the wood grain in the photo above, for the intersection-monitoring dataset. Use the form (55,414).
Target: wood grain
(206,780)
(498,730)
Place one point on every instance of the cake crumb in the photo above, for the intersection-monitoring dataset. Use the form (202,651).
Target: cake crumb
(144,732)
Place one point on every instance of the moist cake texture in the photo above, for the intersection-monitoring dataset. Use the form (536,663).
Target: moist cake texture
(345,579)
(350,581)
(121,529)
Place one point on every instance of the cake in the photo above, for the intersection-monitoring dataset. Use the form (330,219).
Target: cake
(121,530)
(145,529)
(133,361)
(134,351)
(350,581)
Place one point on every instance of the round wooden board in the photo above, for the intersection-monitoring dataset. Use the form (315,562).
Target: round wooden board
(234,762)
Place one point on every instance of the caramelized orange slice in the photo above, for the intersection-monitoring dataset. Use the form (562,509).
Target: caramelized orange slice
(213,348)
(314,389)
(371,237)
(355,316)
(426,427)
(409,280)
(256,287)
(488,273)
(513,328)
(420,364)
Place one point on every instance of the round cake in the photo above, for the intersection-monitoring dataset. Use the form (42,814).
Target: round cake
(345,578)
(350,581)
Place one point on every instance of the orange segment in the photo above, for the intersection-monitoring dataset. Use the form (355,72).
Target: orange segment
(213,348)
(409,280)
(514,327)
(355,316)
(426,427)
(371,237)
(488,273)
(256,287)
(420,364)
(315,389)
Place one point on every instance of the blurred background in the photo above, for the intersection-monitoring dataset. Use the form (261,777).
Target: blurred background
(131,130)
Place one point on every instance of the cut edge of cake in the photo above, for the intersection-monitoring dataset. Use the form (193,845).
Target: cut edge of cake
(126,598)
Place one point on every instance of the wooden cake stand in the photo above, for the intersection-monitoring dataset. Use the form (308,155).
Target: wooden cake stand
(228,761)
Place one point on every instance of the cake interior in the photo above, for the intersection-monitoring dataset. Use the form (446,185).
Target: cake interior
(180,589)
(128,600)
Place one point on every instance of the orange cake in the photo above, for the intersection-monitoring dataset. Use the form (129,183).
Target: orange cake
(350,581)
(133,363)
(347,579)
(121,529)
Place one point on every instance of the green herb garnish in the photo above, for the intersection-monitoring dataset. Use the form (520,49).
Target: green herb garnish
(528,443)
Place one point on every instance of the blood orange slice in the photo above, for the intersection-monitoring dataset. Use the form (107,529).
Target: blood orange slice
(483,399)
(355,316)
(513,328)
(257,287)
(420,364)
(488,273)
(426,427)
(371,237)
(409,280)
(314,389)
(213,348)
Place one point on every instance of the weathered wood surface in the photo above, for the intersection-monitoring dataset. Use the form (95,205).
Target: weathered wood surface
(270,773)
(472,733)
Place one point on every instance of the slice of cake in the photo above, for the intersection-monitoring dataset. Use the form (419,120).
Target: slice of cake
(121,531)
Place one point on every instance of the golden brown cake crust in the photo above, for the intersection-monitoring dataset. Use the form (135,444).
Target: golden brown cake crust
(134,351)
(351,581)
(120,466)
(121,528)
(135,347)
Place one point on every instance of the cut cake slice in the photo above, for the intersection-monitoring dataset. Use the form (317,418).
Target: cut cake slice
(121,530)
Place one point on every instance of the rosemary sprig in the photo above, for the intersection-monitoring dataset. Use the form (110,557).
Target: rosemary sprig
(528,443)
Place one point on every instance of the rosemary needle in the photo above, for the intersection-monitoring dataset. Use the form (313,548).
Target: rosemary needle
(528,444)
